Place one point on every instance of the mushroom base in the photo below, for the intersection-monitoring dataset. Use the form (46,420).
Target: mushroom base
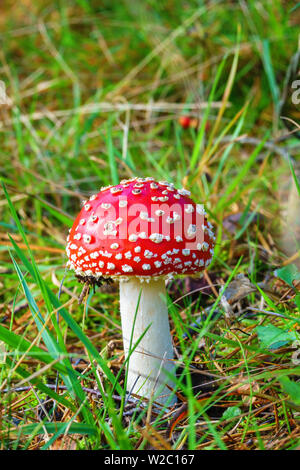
(152,357)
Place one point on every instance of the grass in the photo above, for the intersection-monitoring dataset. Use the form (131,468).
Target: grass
(94,96)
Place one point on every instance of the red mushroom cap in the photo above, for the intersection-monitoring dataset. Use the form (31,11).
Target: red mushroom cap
(142,228)
(186,122)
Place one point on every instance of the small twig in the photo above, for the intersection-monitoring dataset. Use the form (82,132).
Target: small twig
(266,312)
(84,292)
(270,145)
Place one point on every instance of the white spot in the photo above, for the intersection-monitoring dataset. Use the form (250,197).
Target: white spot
(128,255)
(87,238)
(146,267)
(122,202)
(191,231)
(106,254)
(82,221)
(73,246)
(133,237)
(176,196)
(186,251)
(137,249)
(116,190)
(179,238)
(87,207)
(126,268)
(103,188)
(110,266)
(114,246)
(189,208)
(137,259)
(156,237)
(144,215)
(163,198)
(101,264)
(142,235)
(105,205)
(210,234)
(200,209)
(184,192)
(109,229)
(118,256)
(77,236)
(148,254)
(159,212)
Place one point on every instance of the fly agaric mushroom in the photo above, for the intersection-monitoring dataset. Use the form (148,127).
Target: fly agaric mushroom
(142,232)
(187,122)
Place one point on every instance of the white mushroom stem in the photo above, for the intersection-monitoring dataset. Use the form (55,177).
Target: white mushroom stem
(154,353)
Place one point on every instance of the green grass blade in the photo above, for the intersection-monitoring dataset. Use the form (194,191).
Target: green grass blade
(111,154)
(41,386)
(237,181)
(59,428)
(200,136)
